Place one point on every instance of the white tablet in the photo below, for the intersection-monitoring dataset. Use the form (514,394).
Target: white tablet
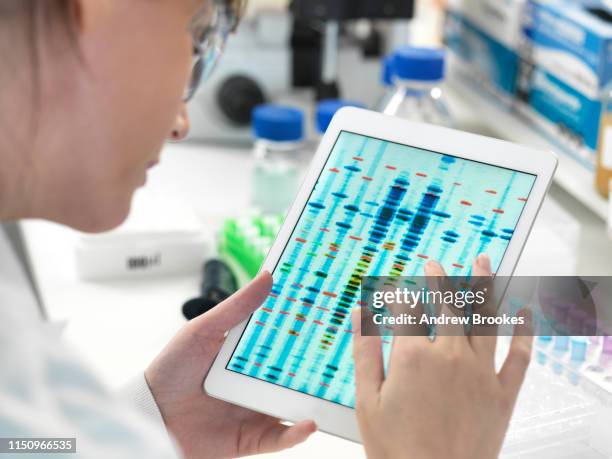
(383,196)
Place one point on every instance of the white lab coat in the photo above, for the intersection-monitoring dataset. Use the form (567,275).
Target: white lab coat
(45,391)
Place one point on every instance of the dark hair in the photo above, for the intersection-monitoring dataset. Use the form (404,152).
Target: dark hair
(25,25)
(33,19)
(42,13)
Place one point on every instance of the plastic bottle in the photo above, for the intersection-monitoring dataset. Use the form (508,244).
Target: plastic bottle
(388,81)
(279,134)
(418,96)
(326,109)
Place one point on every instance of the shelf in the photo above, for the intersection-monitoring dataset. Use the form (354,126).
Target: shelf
(572,176)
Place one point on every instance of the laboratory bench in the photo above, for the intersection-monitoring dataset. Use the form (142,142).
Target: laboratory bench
(119,326)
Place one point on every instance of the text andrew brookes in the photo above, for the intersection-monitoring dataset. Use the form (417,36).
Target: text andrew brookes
(379,318)
(414,305)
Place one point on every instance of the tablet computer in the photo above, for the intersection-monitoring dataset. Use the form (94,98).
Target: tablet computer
(383,196)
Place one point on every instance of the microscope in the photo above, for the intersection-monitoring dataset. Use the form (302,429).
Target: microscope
(308,51)
(320,67)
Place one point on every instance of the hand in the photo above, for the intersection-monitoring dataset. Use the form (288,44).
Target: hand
(441,398)
(204,426)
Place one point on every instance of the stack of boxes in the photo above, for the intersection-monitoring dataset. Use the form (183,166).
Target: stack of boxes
(548,60)
(570,53)
(486,36)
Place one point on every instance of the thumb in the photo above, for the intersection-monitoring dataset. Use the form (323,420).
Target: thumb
(183,362)
(237,307)
(279,437)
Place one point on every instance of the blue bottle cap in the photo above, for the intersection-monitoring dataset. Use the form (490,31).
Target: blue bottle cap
(326,109)
(278,123)
(420,64)
(388,70)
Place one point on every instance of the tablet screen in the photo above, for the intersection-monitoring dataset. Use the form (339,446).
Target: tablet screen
(378,209)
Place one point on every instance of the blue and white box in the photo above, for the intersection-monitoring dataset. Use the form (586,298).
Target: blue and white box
(571,60)
(486,37)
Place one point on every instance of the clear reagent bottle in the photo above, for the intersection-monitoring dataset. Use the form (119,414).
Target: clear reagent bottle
(279,135)
(419,74)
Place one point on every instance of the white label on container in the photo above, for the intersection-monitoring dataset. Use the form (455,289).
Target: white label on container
(606,152)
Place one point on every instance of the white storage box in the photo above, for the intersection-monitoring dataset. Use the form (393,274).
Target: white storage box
(159,238)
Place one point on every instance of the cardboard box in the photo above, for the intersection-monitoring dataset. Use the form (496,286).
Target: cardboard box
(486,36)
(566,63)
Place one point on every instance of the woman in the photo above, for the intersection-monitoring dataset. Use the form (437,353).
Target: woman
(90,90)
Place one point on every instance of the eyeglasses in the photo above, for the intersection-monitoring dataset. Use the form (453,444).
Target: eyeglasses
(210,29)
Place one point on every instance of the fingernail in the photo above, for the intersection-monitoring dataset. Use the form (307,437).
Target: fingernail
(432,266)
(262,276)
(264,273)
(484,261)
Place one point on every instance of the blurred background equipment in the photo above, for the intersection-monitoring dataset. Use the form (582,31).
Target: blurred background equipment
(297,53)
(326,109)
(538,72)
(256,68)
(279,133)
(419,73)
(244,242)
(353,9)
(603,172)
(218,283)
(486,36)
(387,78)
(568,51)
(332,13)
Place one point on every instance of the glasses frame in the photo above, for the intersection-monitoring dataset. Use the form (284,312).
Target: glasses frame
(209,31)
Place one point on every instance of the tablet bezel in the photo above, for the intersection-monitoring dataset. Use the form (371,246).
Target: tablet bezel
(331,417)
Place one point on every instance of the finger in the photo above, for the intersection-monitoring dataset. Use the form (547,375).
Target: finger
(484,339)
(279,437)
(397,309)
(512,373)
(446,333)
(237,307)
(482,266)
(369,367)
